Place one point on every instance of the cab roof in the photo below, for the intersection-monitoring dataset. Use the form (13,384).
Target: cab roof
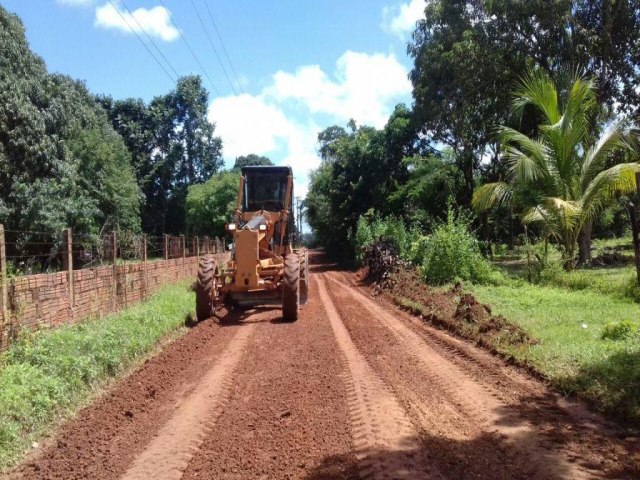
(273,169)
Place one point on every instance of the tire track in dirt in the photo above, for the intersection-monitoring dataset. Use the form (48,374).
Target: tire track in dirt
(168,455)
(478,402)
(588,440)
(102,440)
(379,423)
(288,413)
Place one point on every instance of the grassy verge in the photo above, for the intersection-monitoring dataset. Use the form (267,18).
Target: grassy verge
(46,375)
(618,281)
(573,350)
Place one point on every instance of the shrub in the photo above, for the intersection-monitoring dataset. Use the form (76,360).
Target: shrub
(418,249)
(451,253)
(621,330)
(372,228)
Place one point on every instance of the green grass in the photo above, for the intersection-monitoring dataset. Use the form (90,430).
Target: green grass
(46,375)
(572,351)
(615,281)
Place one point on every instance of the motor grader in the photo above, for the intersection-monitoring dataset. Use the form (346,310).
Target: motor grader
(264,268)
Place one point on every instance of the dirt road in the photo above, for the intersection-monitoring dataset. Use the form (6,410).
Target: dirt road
(354,389)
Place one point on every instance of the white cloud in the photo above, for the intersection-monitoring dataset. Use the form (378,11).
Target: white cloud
(155,21)
(363,87)
(401,19)
(75,3)
(248,125)
(283,120)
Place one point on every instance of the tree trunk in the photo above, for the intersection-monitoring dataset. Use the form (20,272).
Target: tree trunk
(511,243)
(635,232)
(485,233)
(465,163)
(584,244)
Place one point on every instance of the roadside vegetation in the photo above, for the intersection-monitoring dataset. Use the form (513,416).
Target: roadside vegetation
(48,374)
(511,180)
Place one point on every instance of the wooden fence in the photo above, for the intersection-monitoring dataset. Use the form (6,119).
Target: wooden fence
(71,295)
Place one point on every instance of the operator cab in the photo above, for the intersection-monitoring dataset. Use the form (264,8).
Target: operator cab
(265,188)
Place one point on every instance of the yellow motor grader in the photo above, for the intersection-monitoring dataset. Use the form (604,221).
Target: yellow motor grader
(264,268)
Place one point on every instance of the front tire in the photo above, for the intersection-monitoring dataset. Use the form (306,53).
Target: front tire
(291,288)
(206,287)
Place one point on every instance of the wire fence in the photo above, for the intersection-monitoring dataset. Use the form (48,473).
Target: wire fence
(33,252)
(75,287)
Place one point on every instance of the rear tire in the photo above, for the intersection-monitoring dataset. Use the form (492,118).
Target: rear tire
(291,288)
(304,276)
(206,287)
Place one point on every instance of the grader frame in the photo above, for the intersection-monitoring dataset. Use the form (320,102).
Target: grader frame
(264,268)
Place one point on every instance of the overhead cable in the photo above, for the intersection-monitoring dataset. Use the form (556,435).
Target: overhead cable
(150,39)
(142,41)
(224,49)
(215,50)
(193,54)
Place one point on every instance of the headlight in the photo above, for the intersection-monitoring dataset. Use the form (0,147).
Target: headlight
(231,227)
(262,228)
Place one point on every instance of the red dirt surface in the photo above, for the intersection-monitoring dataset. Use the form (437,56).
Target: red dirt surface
(355,388)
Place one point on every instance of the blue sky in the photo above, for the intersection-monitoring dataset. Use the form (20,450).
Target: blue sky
(302,64)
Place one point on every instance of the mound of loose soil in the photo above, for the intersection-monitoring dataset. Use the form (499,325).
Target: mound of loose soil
(452,310)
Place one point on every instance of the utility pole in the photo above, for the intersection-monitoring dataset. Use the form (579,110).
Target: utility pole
(298,224)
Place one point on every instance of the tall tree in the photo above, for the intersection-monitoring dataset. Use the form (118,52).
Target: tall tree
(360,170)
(251,159)
(565,166)
(173,147)
(52,133)
(467,52)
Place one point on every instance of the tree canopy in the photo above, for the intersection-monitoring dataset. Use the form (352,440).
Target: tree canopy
(251,159)
(467,53)
(567,166)
(61,162)
(173,146)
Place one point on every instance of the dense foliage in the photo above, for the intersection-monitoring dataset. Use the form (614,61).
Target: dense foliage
(451,253)
(173,147)
(468,57)
(61,162)
(210,205)
(69,159)
(567,172)
(467,53)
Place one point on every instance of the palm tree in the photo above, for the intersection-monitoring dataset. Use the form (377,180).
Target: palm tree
(565,166)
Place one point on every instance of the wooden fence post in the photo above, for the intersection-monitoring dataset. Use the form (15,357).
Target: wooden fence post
(196,247)
(3,281)
(165,246)
(67,264)
(114,251)
(184,249)
(144,267)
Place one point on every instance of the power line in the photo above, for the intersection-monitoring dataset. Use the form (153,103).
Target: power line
(233,70)
(173,80)
(215,50)
(193,54)
(150,39)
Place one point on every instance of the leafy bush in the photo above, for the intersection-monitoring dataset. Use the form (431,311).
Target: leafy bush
(621,330)
(451,253)
(418,249)
(372,228)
